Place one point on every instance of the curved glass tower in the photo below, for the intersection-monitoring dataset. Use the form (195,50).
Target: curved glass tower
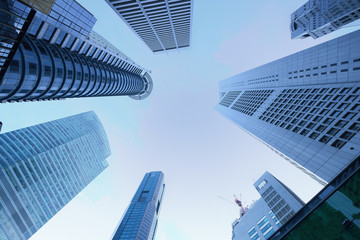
(43,167)
(61,57)
(44,71)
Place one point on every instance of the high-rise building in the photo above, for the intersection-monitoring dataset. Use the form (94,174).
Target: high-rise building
(162,25)
(61,57)
(305,107)
(282,201)
(141,217)
(44,166)
(275,207)
(319,17)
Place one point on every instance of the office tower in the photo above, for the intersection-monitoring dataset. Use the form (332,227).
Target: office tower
(319,17)
(163,25)
(332,214)
(304,106)
(275,207)
(61,57)
(282,201)
(141,217)
(44,166)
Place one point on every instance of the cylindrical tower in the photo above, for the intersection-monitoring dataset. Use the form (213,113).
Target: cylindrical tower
(44,71)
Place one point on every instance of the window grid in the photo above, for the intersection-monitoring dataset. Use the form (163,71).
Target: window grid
(229,98)
(250,101)
(322,114)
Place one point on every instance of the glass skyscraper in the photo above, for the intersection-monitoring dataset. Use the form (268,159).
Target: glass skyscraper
(305,107)
(61,57)
(141,218)
(43,167)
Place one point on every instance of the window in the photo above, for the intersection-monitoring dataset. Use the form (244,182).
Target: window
(262,221)
(70,74)
(229,98)
(271,232)
(252,231)
(143,196)
(267,226)
(32,68)
(262,184)
(14,66)
(47,71)
(59,72)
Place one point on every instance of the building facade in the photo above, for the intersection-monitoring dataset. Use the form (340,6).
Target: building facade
(61,57)
(319,17)
(275,207)
(162,25)
(141,218)
(43,167)
(282,201)
(258,223)
(305,106)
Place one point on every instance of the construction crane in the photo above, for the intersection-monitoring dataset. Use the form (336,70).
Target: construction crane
(242,209)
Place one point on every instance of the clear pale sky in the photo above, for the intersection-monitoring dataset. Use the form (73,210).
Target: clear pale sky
(176,130)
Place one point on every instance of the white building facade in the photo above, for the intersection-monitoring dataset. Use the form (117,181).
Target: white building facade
(258,223)
(304,106)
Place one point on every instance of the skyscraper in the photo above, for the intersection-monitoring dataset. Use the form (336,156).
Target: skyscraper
(44,166)
(305,106)
(61,57)
(319,17)
(162,25)
(275,207)
(141,217)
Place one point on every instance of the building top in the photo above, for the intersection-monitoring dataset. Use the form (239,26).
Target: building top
(305,68)
(162,25)
(141,217)
(317,18)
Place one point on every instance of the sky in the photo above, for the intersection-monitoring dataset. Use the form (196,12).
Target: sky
(176,130)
